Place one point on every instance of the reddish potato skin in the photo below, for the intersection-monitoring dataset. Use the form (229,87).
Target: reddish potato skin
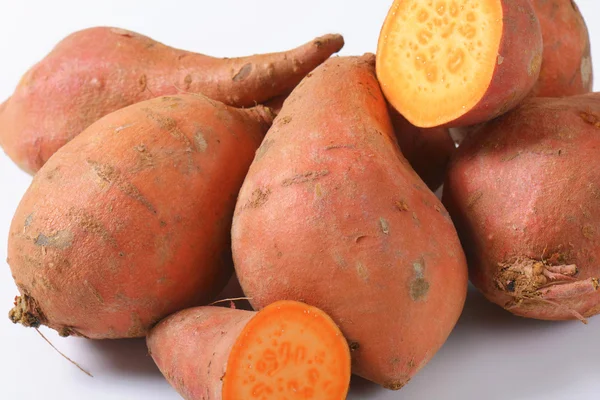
(517,67)
(427,150)
(347,226)
(130,221)
(527,186)
(191,348)
(567,63)
(99,70)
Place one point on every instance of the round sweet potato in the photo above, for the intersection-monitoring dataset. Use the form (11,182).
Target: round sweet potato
(524,192)
(130,221)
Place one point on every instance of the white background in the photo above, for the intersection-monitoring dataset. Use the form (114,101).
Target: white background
(491,355)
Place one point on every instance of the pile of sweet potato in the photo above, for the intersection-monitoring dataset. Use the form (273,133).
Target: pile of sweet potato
(158,173)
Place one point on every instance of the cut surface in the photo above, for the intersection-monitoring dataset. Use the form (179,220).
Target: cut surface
(289,350)
(436,59)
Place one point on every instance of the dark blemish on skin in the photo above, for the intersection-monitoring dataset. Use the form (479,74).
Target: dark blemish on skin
(510,287)
(474,198)
(339,146)
(187,81)
(258,198)
(396,385)
(243,73)
(354,346)
(588,231)
(143,82)
(305,177)
(60,240)
(285,120)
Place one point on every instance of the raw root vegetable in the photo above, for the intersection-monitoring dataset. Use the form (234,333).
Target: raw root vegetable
(131,220)
(458,63)
(427,150)
(288,350)
(524,192)
(566,63)
(96,71)
(347,226)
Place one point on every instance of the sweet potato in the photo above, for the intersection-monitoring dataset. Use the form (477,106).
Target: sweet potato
(99,70)
(566,63)
(451,63)
(523,191)
(427,150)
(289,350)
(344,224)
(130,221)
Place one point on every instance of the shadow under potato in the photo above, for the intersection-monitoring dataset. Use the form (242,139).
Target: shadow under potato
(121,356)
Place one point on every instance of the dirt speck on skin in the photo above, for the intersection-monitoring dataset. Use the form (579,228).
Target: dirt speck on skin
(419,287)
(401,205)
(28,220)
(590,118)
(136,329)
(588,231)
(396,385)
(258,198)
(143,82)
(60,240)
(354,346)
(285,120)
(243,73)
(187,81)
(305,177)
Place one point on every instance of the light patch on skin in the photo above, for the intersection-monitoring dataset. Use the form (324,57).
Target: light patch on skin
(60,240)
(500,59)
(362,271)
(534,65)
(586,71)
(385,226)
(419,287)
(123,127)
(200,142)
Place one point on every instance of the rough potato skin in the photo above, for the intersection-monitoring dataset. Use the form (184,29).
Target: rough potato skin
(191,348)
(567,63)
(517,66)
(526,188)
(344,224)
(428,150)
(130,221)
(99,70)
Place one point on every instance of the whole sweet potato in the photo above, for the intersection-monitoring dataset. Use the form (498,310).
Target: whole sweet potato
(567,62)
(452,63)
(130,221)
(99,70)
(288,350)
(524,192)
(331,214)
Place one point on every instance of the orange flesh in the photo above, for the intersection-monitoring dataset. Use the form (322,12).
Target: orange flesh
(289,350)
(436,59)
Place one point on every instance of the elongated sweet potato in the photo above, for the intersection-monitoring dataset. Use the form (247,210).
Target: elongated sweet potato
(427,150)
(99,70)
(523,191)
(289,350)
(458,63)
(567,62)
(344,224)
(130,221)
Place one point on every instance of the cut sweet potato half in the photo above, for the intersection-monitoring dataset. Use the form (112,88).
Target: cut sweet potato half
(458,63)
